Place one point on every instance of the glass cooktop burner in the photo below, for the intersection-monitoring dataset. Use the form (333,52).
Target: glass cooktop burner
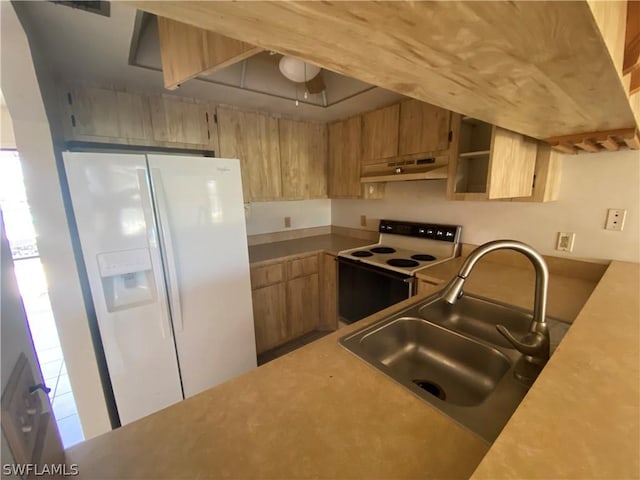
(402,262)
(383,250)
(362,253)
(423,257)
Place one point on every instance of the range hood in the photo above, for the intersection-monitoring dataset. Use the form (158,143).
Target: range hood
(405,170)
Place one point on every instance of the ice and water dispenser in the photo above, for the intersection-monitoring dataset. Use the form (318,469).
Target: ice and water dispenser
(127,278)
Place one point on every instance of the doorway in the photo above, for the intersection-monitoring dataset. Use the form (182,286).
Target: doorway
(35,296)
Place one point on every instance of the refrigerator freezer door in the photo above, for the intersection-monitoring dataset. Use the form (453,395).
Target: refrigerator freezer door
(201,212)
(113,211)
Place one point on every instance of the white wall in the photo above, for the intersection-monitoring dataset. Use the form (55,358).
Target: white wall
(268,217)
(33,138)
(7,138)
(591,183)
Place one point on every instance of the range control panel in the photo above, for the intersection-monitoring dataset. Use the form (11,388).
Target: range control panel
(445,233)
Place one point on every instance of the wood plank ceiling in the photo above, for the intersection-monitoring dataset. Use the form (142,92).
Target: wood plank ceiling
(538,68)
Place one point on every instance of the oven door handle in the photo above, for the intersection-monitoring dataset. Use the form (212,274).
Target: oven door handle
(399,276)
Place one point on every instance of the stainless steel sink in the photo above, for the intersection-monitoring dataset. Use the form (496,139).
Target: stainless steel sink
(452,357)
(455,369)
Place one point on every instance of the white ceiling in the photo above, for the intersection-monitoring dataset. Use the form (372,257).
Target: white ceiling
(81,48)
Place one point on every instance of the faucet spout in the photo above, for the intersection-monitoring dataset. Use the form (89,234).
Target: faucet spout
(535,346)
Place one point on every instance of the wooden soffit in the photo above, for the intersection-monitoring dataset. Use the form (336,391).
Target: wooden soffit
(538,68)
(188,51)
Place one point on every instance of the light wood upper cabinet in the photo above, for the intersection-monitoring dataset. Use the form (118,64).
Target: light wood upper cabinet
(94,114)
(511,165)
(489,162)
(344,158)
(303,159)
(423,128)
(253,138)
(380,134)
(178,121)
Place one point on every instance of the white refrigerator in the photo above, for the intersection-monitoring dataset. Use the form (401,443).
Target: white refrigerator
(165,249)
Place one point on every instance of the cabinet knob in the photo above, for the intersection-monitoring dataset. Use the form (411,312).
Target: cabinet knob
(398,169)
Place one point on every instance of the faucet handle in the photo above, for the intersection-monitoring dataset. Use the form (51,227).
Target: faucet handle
(533,344)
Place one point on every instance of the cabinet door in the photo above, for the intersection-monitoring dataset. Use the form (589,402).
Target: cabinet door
(344,158)
(511,165)
(269,316)
(424,128)
(303,305)
(109,116)
(380,134)
(425,287)
(253,138)
(303,159)
(328,292)
(186,123)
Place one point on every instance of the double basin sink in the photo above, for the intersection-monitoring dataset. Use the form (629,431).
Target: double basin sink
(453,357)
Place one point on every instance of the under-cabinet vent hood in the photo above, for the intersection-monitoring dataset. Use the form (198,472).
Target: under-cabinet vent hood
(435,168)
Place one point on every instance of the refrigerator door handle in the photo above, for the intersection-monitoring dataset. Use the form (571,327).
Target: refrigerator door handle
(143,181)
(167,250)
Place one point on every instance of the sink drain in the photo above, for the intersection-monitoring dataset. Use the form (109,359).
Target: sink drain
(431,387)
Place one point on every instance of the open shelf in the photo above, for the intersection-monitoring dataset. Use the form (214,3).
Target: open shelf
(477,154)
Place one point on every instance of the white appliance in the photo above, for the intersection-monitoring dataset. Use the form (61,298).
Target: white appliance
(374,277)
(164,244)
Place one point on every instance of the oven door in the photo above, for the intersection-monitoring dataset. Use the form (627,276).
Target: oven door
(364,289)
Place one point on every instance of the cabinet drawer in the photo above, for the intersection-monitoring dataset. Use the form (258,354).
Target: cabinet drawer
(267,275)
(303,266)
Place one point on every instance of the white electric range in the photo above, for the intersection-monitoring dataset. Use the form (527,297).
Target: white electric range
(376,276)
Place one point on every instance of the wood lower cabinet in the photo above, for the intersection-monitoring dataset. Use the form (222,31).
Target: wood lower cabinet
(286,300)
(425,287)
(328,292)
(269,314)
(303,305)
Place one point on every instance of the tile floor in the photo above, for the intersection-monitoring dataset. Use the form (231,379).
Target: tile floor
(33,287)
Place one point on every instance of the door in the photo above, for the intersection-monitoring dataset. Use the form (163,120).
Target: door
(202,225)
(115,222)
(29,432)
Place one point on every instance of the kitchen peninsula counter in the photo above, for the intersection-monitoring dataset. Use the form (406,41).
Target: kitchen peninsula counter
(320,412)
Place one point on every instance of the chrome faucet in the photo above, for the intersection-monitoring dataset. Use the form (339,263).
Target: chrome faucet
(535,344)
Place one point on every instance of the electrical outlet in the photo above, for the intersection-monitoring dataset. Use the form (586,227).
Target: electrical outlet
(363,220)
(565,241)
(615,219)
(287,222)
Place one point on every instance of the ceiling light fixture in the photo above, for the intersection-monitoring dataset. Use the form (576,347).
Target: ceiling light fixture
(297,70)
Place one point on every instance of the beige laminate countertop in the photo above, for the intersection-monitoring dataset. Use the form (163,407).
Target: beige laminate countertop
(331,243)
(320,412)
(516,286)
